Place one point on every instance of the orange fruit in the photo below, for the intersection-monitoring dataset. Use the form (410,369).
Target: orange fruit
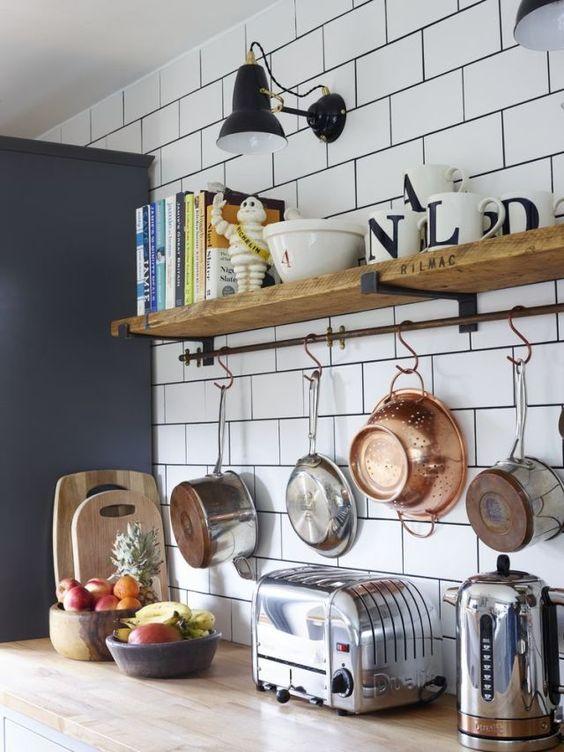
(126,587)
(129,603)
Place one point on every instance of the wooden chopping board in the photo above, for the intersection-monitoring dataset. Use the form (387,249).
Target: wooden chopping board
(95,525)
(72,490)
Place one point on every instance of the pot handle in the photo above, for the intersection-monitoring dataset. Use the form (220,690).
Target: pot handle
(314,380)
(406,527)
(450,596)
(244,568)
(555,597)
(518,450)
(220,430)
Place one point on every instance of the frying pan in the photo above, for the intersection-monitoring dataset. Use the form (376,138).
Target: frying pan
(319,499)
(519,501)
(214,518)
(411,455)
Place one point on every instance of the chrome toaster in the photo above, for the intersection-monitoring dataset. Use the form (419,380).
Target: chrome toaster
(340,638)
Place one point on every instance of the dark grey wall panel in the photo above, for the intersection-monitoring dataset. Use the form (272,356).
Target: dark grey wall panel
(71,397)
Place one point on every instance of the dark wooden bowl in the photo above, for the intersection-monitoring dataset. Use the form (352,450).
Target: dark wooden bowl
(164,660)
(81,635)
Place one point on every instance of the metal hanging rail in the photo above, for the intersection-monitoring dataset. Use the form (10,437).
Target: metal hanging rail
(342,335)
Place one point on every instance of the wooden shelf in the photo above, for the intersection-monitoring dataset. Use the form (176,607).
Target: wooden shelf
(508,261)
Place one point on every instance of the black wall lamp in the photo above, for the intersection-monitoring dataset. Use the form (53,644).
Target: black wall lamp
(253,128)
(540,24)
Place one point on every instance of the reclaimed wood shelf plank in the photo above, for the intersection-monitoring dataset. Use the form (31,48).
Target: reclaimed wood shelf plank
(508,261)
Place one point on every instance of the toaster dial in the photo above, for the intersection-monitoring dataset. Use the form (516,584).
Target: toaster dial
(342,683)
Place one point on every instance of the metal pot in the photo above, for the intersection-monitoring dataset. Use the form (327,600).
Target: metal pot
(520,500)
(320,503)
(214,518)
(411,454)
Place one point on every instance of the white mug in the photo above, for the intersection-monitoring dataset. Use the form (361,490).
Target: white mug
(421,182)
(528,210)
(394,233)
(456,218)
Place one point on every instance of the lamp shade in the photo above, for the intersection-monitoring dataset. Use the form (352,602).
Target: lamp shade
(540,24)
(251,128)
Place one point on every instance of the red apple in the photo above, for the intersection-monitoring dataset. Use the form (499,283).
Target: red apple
(67,583)
(78,599)
(106,603)
(148,634)
(99,587)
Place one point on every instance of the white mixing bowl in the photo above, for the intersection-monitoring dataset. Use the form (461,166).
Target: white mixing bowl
(303,248)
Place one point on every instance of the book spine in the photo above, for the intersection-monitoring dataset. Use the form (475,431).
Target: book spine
(189,251)
(153,257)
(220,275)
(140,286)
(170,251)
(199,250)
(202,246)
(180,257)
(146,261)
(161,259)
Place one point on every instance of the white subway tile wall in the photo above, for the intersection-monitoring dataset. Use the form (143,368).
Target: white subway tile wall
(441,82)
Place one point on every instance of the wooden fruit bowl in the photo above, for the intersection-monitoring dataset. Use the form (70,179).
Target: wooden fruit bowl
(166,660)
(81,635)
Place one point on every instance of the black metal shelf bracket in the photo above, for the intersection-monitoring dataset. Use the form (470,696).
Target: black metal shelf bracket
(467,301)
(207,344)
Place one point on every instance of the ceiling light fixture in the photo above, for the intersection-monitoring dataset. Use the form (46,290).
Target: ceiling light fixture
(540,24)
(253,128)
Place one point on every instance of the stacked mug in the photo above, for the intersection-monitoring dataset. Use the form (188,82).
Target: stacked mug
(440,212)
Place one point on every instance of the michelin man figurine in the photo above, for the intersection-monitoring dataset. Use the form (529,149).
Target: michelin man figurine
(247,249)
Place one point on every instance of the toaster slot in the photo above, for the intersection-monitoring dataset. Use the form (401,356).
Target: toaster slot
(387,586)
(425,610)
(367,611)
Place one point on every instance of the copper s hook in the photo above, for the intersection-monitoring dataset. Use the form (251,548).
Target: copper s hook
(519,361)
(414,368)
(307,340)
(228,372)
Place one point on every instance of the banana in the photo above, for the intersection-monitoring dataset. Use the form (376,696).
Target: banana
(122,634)
(162,613)
(201,619)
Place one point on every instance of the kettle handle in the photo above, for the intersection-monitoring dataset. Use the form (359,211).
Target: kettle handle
(451,596)
(555,597)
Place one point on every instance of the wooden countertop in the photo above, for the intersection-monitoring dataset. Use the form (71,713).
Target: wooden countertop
(218,710)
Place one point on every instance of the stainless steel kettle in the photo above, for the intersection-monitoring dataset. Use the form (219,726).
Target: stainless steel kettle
(508,682)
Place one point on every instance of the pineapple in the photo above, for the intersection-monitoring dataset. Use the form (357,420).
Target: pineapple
(138,554)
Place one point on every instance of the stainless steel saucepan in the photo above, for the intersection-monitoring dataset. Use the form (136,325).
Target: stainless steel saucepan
(320,503)
(520,500)
(214,518)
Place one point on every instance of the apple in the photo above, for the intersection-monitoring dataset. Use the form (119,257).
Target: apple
(106,603)
(78,599)
(99,587)
(148,634)
(67,583)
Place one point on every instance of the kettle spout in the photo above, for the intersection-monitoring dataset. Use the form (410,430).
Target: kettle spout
(451,596)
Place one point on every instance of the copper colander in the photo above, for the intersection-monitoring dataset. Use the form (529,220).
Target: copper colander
(410,454)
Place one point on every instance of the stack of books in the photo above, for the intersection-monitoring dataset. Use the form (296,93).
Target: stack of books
(181,259)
